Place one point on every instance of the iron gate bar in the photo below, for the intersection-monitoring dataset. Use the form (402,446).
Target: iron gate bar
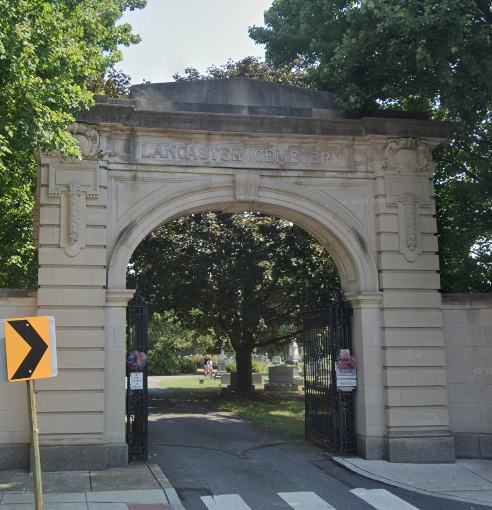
(137,399)
(329,413)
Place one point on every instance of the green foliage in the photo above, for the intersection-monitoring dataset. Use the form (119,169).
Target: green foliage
(231,367)
(49,50)
(242,276)
(18,268)
(163,363)
(113,84)
(167,339)
(187,366)
(421,55)
(249,67)
(257,367)
(200,362)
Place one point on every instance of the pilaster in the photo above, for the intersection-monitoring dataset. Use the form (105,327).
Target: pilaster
(414,376)
(369,403)
(71,201)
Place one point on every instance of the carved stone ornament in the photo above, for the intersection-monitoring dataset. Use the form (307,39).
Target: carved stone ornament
(61,175)
(247,185)
(73,212)
(73,219)
(409,228)
(407,156)
(88,138)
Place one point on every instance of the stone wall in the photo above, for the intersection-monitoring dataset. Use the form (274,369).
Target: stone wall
(14,421)
(468,346)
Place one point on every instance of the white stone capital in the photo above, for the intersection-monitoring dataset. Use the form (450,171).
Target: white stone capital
(364,299)
(119,297)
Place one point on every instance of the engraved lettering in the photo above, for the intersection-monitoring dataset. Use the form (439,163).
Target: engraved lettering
(236,154)
(224,154)
(191,152)
(171,150)
(249,155)
(181,151)
(157,152)
(203,151)
(294,157)
(281,156)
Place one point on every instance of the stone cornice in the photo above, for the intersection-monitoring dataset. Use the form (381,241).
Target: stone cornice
(131,114)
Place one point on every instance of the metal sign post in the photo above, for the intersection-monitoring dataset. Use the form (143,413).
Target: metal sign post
(28,352)
(34,433)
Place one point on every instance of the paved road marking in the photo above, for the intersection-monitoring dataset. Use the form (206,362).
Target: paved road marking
(381,499)
(225,502)
(306,501)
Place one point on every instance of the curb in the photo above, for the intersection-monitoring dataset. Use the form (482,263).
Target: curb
(367,474)
(166,486)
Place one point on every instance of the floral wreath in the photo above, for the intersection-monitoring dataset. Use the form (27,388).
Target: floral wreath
(346,363)
(137,361)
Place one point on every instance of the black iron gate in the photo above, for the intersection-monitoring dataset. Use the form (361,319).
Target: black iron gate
(330,418)
(136,378)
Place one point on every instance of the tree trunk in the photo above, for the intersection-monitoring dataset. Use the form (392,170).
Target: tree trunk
(244,381)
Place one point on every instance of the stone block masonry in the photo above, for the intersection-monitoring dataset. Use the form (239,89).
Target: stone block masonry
(468,345)
(362,185)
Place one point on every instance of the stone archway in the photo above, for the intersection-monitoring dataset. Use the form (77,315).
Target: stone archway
(361,184)
(355,263)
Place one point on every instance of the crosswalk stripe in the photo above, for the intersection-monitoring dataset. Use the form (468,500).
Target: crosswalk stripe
(225,502)
(381,499)
(305,501)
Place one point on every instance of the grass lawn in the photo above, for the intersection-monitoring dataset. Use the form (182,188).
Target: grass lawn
(283,412)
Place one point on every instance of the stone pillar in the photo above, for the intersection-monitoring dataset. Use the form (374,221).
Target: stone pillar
(115,376)
(369,402)
(416,413)
(71,239)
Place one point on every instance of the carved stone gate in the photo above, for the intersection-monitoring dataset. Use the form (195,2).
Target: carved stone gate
(360,183)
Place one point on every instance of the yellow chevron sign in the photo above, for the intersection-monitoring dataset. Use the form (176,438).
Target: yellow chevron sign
(30,348)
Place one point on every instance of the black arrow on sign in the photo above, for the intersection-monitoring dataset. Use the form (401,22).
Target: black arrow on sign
(38,348)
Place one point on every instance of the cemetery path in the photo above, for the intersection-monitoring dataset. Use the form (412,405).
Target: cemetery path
(207,454)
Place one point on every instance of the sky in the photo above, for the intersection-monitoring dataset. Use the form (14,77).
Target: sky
(189,33)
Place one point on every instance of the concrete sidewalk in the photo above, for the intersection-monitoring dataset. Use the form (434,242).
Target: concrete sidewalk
(145,487)
(469,481)
(138,487)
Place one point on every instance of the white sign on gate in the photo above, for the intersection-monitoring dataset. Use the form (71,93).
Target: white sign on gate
(136,381)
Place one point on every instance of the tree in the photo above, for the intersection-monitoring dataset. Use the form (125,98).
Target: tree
(415,55)
(169,340)
(112,84)
(49,51)
(241,276)
(249,67)
(18,267)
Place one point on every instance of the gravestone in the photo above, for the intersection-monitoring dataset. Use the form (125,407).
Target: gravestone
(282,378)
(293,357)
(221,362)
